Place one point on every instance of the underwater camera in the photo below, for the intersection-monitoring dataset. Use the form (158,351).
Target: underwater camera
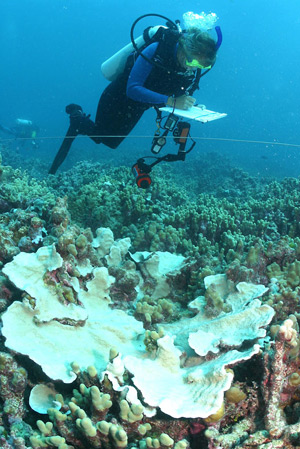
(141,172)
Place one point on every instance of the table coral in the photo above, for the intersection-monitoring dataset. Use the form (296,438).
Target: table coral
(52,323)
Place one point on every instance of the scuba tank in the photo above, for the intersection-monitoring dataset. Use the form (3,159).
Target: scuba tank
(23,122)
(115,65)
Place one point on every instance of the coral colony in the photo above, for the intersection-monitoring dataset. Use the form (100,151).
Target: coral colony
(148,319)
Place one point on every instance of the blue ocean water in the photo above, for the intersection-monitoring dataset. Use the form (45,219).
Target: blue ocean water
(51,52)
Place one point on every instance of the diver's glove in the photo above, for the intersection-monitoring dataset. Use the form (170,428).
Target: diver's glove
(74,110)
(183,102)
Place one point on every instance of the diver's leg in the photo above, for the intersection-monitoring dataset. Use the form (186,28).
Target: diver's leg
(7,130)
(116,116)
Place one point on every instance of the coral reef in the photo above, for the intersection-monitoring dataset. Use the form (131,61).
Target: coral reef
(142,319)
(165,218)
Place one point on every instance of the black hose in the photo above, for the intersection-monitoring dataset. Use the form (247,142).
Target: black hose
(169,22)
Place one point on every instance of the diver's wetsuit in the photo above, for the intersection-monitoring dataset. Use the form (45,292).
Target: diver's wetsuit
(123,102)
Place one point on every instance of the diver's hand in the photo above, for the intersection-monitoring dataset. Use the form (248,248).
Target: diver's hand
(183,102)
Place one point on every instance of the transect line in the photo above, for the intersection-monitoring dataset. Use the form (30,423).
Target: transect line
(216,139)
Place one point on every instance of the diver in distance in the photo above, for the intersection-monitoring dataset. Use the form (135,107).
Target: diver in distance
(23,129)
(165,70)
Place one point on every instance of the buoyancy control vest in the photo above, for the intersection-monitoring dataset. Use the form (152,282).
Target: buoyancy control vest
(166,76)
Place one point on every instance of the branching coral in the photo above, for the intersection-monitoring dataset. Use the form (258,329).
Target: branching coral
(100,417)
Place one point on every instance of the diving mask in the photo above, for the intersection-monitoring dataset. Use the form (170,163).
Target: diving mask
(195,63)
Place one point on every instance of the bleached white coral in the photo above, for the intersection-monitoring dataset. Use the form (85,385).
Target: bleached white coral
(246,321)
(189,392)
(288,333)
(53,334)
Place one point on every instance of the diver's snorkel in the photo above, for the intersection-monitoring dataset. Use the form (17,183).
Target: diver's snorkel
(219,37)
(203,22)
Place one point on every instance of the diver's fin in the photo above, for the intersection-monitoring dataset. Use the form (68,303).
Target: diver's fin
(64,149)
(76,117)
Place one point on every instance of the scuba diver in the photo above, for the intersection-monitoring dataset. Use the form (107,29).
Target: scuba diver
(164,71)
(23,129)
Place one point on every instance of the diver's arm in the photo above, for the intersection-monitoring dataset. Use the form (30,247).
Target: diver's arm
(138,76)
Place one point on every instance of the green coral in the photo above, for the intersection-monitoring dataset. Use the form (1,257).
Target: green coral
(155,311)
(19,189)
